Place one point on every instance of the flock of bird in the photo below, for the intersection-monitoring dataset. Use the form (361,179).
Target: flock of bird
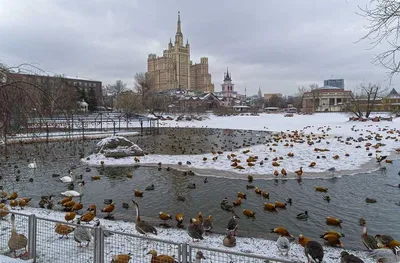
(382,247)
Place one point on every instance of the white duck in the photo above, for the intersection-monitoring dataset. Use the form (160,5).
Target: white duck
(73,193)
(32,165)
(67,178)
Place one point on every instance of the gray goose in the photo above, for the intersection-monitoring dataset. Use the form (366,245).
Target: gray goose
(141,226)
(283,245)
(349,258)
(229,240)
(385,255)
(383,240)
(16,241)
(81,234)
(195,230)
(369,241)
(97,224)
(314,250)
(233,224)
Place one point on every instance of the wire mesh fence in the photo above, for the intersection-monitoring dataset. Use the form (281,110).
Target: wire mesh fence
(63,242)
(121,247)
(14,245)
(221,256)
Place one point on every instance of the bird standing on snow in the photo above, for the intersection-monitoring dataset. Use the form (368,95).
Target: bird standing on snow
(283,245)
(81,234)
(349,258)
(314,250)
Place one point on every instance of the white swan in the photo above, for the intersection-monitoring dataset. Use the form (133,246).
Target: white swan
(67,178)
(73,193)
(32,165)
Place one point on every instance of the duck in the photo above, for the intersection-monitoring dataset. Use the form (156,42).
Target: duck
(249,213)
(332,240)
(208,224)
(33,164)
(138,193)
(332,232)
(121,258)
(238,202)
(64,200)
(125,205)
(22,203)
(258,191)
(303,240)
(299,172)
(327,198)
(225,206)
(250,178)
(63,230)
(106,233)
(199,257)
(281,231)
(242,195)
(17,241)
(73,193)
(12,196)
(179,220)
(283,172)
(3,211)
(69,204)
(77,207)
(164,216)
(233,224)
(67,178)
(369,241)
(229,240)
(69,216)
(265,194)
(345,257)
(312,164)
(333,221)
(191,186)
(280,205)
(269,207)
(143,227)
(362,221)
(302,216)
(81,234)
(321,189)
(160,258)
(195,230)
(283,245)
(386,255)
(109,209)
(88,216)
(150,187)
(314,250)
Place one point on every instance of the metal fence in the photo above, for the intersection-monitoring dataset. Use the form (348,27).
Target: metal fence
(45,244)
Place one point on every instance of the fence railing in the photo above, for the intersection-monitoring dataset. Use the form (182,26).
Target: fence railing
(45,245)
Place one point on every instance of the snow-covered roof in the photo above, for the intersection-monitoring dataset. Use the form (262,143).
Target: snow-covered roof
(241,106)
(83,104)
(393,94)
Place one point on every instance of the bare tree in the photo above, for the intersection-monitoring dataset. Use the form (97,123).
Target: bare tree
(144,87)
(116,89)
(364,99)
(315,93)
(129,102)
(383,25)
(298,103)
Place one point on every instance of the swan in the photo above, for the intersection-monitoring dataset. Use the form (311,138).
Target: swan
(32,165)
(67,178)
(73,193)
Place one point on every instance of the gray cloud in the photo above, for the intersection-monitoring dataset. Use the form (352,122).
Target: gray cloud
(275,45)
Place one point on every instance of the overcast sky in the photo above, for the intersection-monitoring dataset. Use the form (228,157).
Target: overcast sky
(277,45)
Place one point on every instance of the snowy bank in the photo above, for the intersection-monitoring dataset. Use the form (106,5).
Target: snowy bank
(52,249)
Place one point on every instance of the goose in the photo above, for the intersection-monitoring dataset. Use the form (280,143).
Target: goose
(143,227)
(17,241)
(283,245)
(314,250)
(229,240)
(97,224)
(73,193)
(32,165)
(195,230)
(68,178)
(385,255)
(368,241)
(384,240)
(345,257)
(302,216)
(199,257)
(233,224)
(81,234)
(208,224)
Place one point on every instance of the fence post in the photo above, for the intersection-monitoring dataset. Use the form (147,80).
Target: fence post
(184,248)
(32,225)
(98,245)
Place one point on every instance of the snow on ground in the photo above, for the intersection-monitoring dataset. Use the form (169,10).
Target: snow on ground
(304,154)
(52,249)
(5,259)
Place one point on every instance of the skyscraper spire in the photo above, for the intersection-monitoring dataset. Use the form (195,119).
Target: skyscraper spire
(179,35)
(178,29)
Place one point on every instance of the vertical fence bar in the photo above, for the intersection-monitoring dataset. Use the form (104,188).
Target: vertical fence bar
(32,237)
(184,248)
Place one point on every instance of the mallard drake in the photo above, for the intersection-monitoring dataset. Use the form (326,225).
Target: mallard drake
(249,213)
(233,224)
(109,209)
(81,234)
(345,257)
(191,186)
(332,221)
(314,250)
(164,216)
(283,245)
(179,220)
(302,216)
(270,207)
(195,230)
(321,189)
(63,230)
(208,224)
(143,227)
(69,216)
(229,240)
(121,258)
(369,241)
(138,193)
(303,240)
(237,202)
(150,187)
(16,241)
(160,258)
(281,231)
(327,198)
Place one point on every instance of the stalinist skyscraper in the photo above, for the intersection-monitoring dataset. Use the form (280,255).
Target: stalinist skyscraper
(175,70)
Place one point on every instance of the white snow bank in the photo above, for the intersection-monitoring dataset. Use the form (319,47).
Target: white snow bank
(5,259)
(52,249)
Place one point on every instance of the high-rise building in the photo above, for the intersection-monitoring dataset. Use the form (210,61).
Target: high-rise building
(175,70)
(338,83)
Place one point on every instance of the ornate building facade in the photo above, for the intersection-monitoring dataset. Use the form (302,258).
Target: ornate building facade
(175,70)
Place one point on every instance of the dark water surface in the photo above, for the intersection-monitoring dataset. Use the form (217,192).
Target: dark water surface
(348,193)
